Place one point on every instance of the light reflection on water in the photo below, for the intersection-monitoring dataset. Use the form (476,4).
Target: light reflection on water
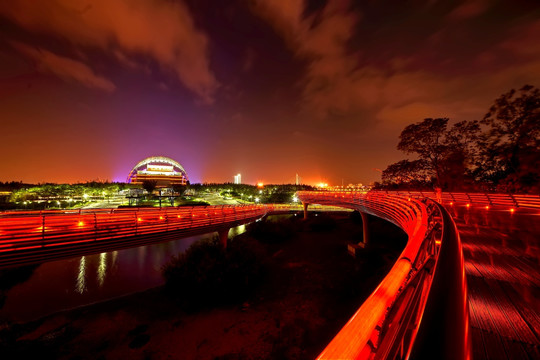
(75,282)
(81,277)
(102,269)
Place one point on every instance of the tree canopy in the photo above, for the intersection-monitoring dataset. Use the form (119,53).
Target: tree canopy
(149,185)
(510,146)
(499,152)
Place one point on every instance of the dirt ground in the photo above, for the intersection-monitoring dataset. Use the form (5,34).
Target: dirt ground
(311,288)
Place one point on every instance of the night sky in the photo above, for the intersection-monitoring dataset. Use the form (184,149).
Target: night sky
(267,89)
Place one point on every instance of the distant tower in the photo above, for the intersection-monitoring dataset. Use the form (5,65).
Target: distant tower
(238,179)
(297,179)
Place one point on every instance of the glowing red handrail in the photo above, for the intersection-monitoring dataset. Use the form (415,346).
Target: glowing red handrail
(482,199)
(29,236)
(352,342)
(359,338)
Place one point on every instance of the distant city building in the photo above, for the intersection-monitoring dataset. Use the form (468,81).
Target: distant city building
(163,170)
(238,179)
(350,187)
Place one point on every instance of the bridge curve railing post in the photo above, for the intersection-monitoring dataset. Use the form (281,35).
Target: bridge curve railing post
(43,230)
(95,227)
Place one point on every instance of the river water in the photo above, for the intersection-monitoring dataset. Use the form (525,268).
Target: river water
(65,284)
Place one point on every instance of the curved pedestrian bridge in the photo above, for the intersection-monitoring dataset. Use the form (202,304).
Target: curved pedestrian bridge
(30,237)
(420,310)
(500,236)
(420,307)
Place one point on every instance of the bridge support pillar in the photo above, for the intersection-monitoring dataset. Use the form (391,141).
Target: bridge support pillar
(355,248)
(223,237)
(305,209)
(365,228)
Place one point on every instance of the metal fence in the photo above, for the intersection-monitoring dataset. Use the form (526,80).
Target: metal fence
(33,236)
(510,201)
(388,322)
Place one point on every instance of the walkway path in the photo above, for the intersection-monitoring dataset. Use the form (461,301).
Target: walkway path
(502,262)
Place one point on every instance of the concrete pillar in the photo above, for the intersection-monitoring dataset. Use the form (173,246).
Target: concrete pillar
(355,248)
(223,236)
(305,209)
(365,227)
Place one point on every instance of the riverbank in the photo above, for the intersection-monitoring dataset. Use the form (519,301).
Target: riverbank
(310,289)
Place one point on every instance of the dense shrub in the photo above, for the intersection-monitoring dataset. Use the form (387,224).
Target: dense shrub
(268,231)
(207,274)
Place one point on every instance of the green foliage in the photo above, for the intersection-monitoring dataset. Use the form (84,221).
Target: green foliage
(48,191)
(279,197)
(149,185)
(191,202)
(270,193)
(207,274)
(13,185)
(180,189)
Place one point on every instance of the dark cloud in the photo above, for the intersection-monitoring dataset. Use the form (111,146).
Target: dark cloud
(65,68)
(468,9)
(320,88)
(163,30)
(345,75)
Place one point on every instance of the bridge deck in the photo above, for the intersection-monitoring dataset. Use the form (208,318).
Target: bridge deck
(502,264)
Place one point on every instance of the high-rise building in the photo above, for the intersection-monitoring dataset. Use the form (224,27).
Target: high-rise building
(238,179)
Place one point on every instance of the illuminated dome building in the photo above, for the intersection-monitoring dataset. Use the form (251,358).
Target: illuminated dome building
(166,172)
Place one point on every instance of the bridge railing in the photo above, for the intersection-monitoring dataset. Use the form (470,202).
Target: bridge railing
(510,201)
(283,208)
(27,231)
(388,322)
